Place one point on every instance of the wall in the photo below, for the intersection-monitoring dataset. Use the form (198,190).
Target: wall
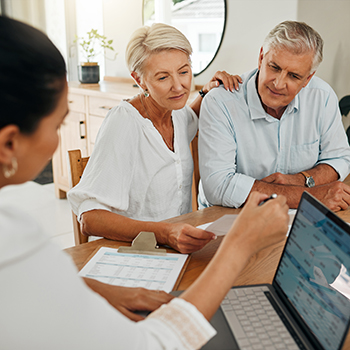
(331,20)
(248,22)
(121,18)
(240,47)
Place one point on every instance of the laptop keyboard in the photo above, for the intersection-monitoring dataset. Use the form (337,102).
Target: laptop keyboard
(254,321)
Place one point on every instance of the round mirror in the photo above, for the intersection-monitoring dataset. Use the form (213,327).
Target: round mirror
(201,21)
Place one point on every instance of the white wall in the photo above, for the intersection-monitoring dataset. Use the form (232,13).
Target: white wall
(248,22)
(331,19)
(121,18)
(240,47)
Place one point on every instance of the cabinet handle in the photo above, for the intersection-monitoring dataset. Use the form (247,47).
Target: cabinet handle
(105,107)
(82,130)
(70,101)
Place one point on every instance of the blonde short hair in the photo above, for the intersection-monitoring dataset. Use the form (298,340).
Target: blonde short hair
(296,37)
(148,40)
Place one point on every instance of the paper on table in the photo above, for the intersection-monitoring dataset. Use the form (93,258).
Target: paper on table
(135,270)
(221,226)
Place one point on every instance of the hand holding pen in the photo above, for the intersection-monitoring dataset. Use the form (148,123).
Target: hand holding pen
(273,196)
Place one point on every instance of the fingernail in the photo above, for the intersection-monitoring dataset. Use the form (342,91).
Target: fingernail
(215,237)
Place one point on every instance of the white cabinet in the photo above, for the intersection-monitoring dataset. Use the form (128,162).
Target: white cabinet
(88,106)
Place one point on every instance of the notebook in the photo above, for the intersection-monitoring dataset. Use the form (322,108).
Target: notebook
(308,300)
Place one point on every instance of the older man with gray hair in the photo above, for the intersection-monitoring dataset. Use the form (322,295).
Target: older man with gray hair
(281,133)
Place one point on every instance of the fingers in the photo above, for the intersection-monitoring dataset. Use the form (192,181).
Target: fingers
(230,82)
(131,315)
(149,300)
(334,195)
(255,198)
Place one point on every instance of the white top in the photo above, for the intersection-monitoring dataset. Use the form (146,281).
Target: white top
(45,305)
(133,173)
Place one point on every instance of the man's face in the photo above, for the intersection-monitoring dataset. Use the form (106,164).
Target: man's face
(282,75)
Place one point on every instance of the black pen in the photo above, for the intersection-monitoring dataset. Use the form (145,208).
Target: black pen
(273,196)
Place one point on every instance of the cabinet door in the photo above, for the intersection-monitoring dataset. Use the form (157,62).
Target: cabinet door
(72,135)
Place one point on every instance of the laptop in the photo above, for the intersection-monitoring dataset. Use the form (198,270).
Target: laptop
(307,303)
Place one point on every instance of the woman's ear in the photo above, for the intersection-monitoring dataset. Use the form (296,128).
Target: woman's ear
(8,143)
(137,79)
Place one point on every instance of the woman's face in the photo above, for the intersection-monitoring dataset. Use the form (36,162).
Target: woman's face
(35,150)
(168,77)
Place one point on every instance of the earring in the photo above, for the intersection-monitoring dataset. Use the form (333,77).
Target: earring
(146,93)
(10,172)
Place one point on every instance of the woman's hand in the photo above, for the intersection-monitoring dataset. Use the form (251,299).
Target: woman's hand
(185,238)
(126,300)
(258,227)
(231,82)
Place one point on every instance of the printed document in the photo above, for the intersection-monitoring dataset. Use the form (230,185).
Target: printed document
(157,272)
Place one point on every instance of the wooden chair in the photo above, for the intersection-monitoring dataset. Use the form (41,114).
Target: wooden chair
(77,164)
(196,176)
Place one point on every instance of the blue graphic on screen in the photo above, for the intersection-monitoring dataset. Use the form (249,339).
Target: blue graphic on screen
(314,274)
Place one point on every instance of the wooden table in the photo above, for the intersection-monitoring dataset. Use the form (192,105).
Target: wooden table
(260,269)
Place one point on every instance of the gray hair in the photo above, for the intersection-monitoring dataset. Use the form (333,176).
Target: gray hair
(296,37)
(148,40)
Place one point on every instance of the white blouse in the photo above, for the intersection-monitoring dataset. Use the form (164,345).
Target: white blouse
(45,305)
(132,172)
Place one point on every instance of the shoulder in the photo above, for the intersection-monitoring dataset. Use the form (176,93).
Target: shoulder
(316,84)
(185,113)
(124,113)
(20,234)
(120,121)
(221,96)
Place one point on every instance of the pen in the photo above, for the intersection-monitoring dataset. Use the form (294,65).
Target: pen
(273,196)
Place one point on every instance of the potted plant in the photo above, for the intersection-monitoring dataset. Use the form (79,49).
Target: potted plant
(91,46)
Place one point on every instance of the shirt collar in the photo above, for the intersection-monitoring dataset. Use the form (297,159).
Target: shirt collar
(256,109)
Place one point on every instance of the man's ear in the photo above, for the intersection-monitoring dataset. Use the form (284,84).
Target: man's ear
(261,56)
(309,78)
(8,143)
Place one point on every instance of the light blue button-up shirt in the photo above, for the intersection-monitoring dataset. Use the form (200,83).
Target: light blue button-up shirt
(240,143)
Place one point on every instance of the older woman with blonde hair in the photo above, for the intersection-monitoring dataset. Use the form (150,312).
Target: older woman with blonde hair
(140,171)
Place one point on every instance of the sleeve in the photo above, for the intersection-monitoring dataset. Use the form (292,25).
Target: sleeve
(106,180)
(334,146)
(192,122)
(217,147)
(71,316)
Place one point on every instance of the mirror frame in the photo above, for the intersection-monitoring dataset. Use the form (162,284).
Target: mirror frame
(222,36)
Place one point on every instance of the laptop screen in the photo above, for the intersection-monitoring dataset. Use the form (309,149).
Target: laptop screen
(314,272)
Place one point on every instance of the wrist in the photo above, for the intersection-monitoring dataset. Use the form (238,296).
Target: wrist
(161,231)
(308,179)
(202,92)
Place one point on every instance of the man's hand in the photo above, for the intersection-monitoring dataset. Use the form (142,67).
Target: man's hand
(283,179)
(335,195)
(186,238)
(126,300)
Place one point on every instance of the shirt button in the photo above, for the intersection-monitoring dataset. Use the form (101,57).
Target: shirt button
(178,161)
(180,187)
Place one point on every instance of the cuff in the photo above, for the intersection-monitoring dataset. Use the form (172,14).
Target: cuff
(186,321)
(340,166)
(90,204)
(240,191)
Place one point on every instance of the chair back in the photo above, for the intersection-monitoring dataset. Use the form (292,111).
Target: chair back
(196,176)
(77,164)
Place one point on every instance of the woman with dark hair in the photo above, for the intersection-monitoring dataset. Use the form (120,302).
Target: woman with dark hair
(43,303)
